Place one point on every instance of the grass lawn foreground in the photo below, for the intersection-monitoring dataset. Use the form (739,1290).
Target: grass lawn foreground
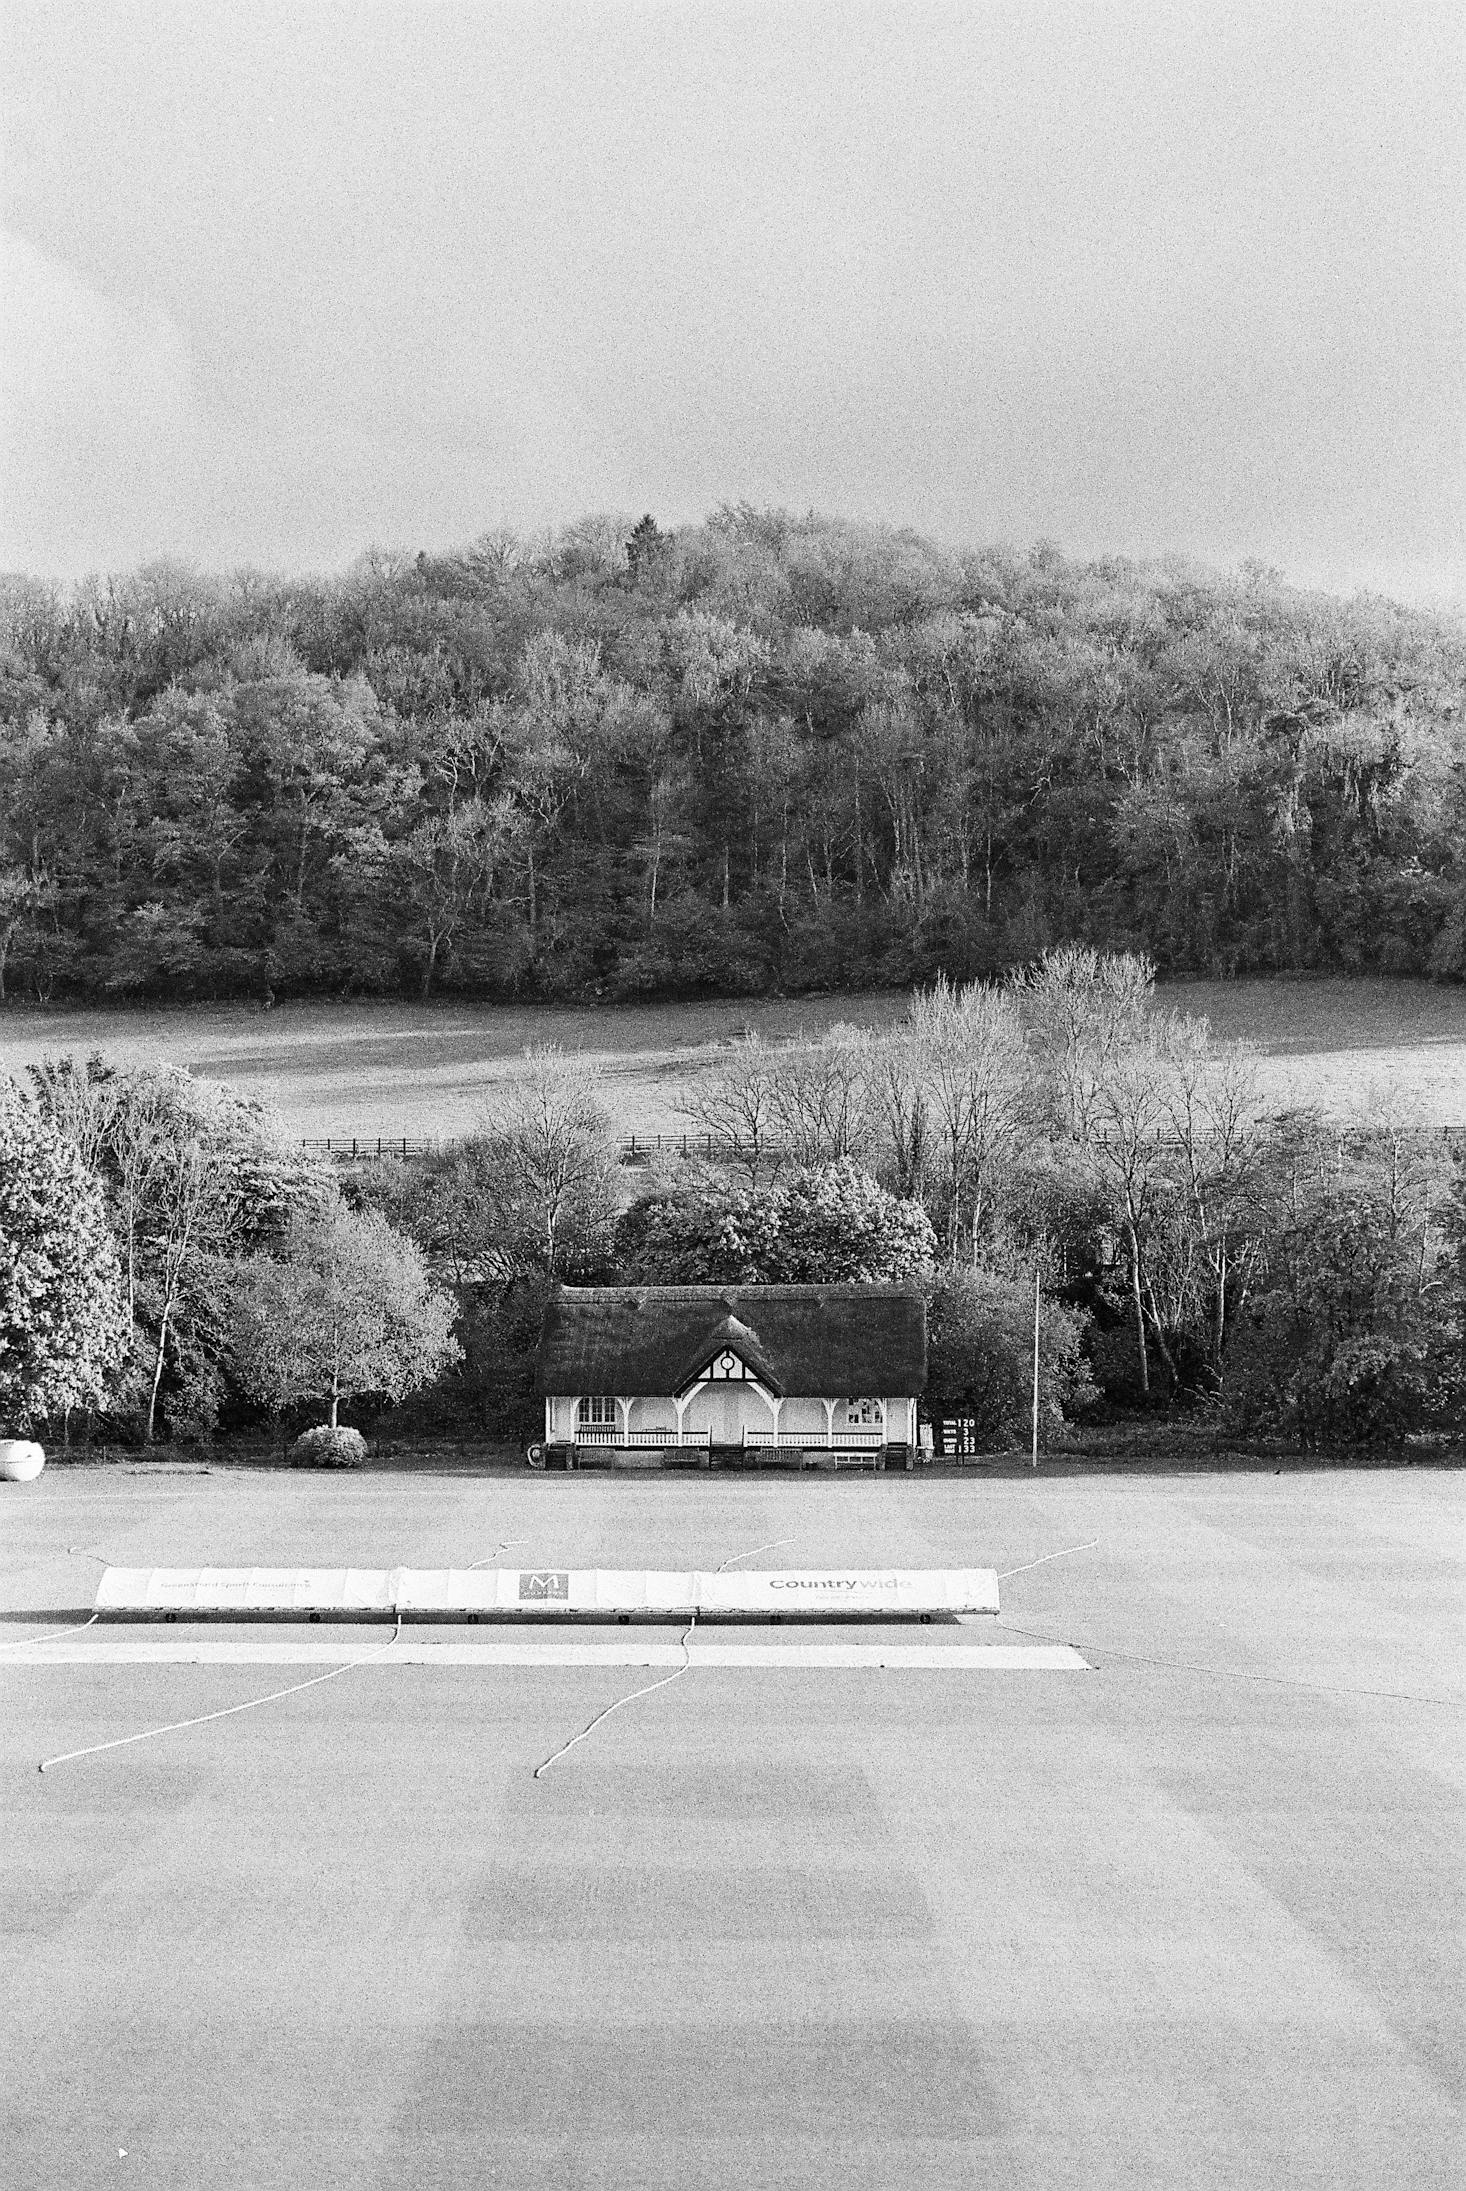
(1187,1918)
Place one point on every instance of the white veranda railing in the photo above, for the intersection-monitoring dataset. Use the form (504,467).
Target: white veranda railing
(847,1440)
(600,1434)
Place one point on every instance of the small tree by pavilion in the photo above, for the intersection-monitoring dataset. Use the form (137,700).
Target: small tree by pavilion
(345,1308)
(980,1359)
(63,1323)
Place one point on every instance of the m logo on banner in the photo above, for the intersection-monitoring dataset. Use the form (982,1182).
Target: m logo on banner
(544,1587)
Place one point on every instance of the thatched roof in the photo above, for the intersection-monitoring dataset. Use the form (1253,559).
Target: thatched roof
(808,1341)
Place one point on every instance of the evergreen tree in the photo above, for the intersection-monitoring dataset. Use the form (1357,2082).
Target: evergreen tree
(63,1323)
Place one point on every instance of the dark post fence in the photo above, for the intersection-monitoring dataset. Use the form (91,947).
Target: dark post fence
(636,1149)
(640,1148)
(367,1146)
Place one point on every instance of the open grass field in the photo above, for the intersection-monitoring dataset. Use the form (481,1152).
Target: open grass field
(1396,1048)
(1188,1918)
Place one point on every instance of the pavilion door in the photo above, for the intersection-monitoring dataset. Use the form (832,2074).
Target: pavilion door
(723,1410)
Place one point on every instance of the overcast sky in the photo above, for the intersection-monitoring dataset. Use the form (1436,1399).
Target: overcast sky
(280,282)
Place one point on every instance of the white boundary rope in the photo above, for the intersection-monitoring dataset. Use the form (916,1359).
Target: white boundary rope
(22,1643)
(667,1679)
(204,1719)
(1231,1673)
(514,1545)
(590,1728)
(1063,1555)
(735,1557)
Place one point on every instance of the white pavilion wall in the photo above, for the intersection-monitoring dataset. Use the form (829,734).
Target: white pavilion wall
(725,1411)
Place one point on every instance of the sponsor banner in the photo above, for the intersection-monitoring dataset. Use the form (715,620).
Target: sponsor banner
(655,1592)
(246,1590)
(651,1593)
(848,1592)
(548,1587)
(580,1592)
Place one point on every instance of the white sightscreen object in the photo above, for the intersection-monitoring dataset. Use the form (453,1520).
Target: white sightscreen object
(246,1590)
(584,1592)
(21,1460)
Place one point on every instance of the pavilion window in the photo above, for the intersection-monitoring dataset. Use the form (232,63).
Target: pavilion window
(597,1408)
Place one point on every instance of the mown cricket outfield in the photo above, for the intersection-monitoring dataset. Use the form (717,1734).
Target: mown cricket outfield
(1177,1907)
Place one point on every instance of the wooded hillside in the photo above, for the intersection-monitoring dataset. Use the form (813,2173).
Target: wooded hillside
(764,752)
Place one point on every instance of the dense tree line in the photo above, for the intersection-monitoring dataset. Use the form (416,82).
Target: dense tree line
(760,752)
(170,1262)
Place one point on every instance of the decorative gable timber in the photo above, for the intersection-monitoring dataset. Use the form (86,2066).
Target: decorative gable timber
(733,1343)
(727,1369)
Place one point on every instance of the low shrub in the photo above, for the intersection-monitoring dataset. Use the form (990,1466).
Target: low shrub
(324,1447)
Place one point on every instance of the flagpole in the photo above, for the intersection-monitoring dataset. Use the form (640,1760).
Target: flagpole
(1035,1367)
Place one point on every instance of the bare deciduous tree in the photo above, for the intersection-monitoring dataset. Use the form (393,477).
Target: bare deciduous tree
(1081,1006)
(901,1101)
(822,1096)
(552,1137)
(1127,1115)
(1210,1099)
(738,1104)
(957,1076)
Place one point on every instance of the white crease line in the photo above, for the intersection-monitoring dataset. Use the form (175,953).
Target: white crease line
(966,1658)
